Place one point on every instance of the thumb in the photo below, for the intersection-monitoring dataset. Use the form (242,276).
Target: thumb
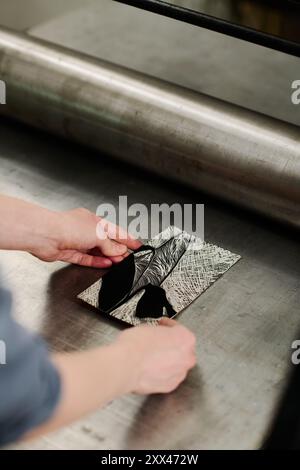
(167,322)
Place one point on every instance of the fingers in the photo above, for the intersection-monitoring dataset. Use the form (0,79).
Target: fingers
(117,233)
(112,249)
(174,382)
(84,259)
(163,356)
(115,259)
(167,322)
(186,336)
(98,262)
(91,259)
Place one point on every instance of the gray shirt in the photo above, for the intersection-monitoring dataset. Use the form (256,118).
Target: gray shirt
(29,383)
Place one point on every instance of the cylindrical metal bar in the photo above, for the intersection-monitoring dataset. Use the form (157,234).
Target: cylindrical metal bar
(228,151)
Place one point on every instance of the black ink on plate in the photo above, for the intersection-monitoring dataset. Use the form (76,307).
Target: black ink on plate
(160,279)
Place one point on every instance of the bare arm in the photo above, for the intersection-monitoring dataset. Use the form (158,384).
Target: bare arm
(147,359)
(89,379)
(144,360)
(77,236)
(25,226)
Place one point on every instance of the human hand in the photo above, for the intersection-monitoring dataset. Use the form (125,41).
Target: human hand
(160,356)
(81,237)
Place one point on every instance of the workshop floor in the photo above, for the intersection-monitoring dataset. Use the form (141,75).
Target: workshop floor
(245,323)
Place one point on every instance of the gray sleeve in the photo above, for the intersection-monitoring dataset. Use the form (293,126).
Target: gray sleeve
(29,383)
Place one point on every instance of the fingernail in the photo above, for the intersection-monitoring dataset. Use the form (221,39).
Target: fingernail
(107,262)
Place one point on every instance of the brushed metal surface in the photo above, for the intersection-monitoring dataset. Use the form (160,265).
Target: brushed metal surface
(244,324)
(217,65)
(238,155)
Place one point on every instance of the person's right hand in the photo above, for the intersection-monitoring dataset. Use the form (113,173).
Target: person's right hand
(160,356)
(144,360)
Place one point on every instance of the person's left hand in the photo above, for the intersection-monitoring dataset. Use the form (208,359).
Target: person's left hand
(81,237)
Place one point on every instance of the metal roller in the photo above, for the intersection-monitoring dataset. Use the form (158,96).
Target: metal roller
(225,150)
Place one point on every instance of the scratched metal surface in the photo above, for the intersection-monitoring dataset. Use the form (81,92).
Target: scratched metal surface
(183,266)
(244,323)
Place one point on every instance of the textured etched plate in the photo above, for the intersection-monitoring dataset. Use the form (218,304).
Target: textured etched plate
(161,279)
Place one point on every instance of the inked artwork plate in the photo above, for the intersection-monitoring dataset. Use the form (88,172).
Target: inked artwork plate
(162,278)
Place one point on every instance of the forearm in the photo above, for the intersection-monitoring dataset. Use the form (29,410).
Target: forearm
(75,236)
(89,380)
(144,360)
(25,226)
